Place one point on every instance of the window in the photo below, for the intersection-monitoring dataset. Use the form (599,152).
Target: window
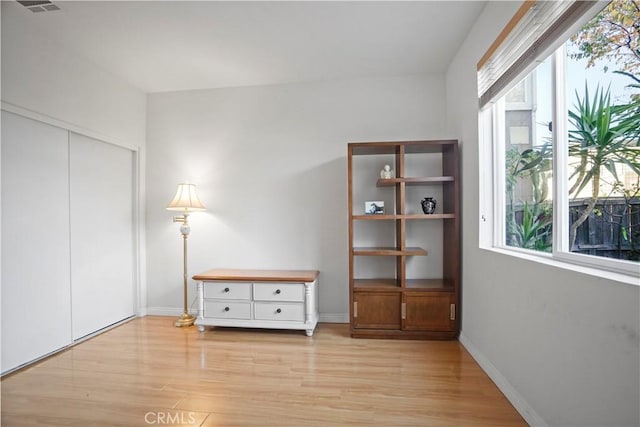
(562,124)
(526,147)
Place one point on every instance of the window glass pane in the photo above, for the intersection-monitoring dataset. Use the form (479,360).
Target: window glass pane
(603,98)
(528,161)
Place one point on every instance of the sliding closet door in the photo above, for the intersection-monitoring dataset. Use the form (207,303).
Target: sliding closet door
(36,312)
(102,244)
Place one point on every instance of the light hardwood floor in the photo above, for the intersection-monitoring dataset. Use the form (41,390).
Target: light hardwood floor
(147,372)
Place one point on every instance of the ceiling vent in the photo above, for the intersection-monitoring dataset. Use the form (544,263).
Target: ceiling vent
(39,5)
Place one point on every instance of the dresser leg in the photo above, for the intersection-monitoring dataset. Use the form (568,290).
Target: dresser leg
(201,298)
(309,332)
(201,328)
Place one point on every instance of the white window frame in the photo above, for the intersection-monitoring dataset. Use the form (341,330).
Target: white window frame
(492,194)
(528,86)
(499,206)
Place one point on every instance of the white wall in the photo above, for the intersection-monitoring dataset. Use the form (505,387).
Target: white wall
(270,165)
(564,346)
(43,77)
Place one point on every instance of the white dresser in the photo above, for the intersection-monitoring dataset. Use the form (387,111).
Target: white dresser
(273,299)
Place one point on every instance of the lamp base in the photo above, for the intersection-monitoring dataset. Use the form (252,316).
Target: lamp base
(185,320)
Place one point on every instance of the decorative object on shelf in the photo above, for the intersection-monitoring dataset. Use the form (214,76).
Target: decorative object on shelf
(386,172)
(185,200)
(428,205)
(374,208)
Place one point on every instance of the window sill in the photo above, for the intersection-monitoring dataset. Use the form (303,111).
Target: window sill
(547,259)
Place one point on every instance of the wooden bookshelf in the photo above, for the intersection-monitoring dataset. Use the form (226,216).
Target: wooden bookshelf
(401,304)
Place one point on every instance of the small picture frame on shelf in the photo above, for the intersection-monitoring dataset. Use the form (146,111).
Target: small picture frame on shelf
(374,208)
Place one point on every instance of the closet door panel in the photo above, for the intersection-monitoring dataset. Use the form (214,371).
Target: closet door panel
(102,244)
(36,303)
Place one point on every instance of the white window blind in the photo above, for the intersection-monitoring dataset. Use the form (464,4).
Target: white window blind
(537,29)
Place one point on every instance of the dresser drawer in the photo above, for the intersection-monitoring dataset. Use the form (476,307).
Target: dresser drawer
(293,292)
(227,309)
(279,311)
(227,290)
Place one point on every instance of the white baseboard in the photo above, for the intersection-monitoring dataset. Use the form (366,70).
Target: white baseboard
(521,405)
(167,311)
(334,318)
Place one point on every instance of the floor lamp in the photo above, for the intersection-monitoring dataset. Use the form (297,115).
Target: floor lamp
(185,200)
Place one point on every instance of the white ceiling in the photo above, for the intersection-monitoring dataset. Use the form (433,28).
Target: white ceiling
(162,46)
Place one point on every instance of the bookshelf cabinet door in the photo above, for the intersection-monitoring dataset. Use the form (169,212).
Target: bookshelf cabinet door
(376,310)
(430,311)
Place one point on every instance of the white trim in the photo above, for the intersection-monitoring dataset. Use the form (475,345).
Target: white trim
(560,153)
(334,318)
(545,258)
(485,178)
(167,311)
(139,234)
(6,106)
(599,263)
(137,295)
(499,173)
(519,403)
(528,88)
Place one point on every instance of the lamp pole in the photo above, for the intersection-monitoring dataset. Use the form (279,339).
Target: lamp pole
(185,200)
(186,319)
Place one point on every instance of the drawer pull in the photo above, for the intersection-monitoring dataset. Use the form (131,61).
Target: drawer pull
(278,311)
(226,289)
(226,309)
(277,291)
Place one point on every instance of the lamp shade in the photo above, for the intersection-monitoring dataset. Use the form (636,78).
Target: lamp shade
(186,199)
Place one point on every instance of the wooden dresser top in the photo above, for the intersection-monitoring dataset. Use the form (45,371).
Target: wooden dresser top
(259,275)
